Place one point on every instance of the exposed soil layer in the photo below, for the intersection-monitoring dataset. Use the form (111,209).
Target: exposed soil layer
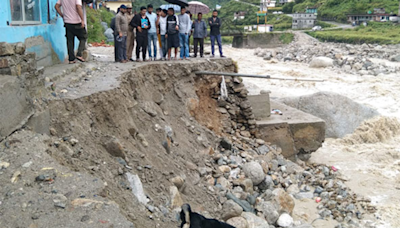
(108,133)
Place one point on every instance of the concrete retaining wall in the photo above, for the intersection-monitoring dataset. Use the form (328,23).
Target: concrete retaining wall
(15,109)
(262,40)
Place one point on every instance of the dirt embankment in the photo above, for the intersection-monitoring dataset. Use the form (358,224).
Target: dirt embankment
(97,139)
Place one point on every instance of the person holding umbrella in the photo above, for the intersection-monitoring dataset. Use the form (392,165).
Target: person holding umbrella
(215,34)
(200,32)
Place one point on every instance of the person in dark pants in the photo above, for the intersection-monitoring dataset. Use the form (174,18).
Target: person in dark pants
(199,33)
(215,34)
(121,28)
(172,34)
(142,24)
(74,24)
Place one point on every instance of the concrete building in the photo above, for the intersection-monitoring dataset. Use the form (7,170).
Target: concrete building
(265,4)
(265,28)
(239,15)
(304,20)
(115,4)
(285,1)
(35,23)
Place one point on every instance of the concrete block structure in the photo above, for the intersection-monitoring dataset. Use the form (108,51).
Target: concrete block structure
(304,20)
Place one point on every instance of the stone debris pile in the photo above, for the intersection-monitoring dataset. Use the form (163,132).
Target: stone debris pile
(354,59)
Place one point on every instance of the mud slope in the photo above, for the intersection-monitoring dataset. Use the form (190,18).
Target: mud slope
(127,124)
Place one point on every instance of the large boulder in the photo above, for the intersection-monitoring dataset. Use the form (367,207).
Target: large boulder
(341,114)
(254,221)
(109,33)
(395,58)
(321,62)
(231,209)
(254,171)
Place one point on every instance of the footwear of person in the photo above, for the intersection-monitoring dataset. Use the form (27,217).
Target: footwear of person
(131,60)
(223,56)
(80,59)
(212,56)
(72,62)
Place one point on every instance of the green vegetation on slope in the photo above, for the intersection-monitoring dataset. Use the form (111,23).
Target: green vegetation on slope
(94,19)
(286,38)
(340,8)
(375,32)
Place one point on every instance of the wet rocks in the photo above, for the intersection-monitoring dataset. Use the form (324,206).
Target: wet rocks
(254,171)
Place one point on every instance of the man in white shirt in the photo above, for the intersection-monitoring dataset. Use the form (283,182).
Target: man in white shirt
(162,22)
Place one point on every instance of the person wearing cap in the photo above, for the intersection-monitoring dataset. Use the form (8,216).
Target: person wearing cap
(130,39)
(121,29)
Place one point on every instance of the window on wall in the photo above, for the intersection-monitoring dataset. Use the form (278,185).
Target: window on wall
(25,11)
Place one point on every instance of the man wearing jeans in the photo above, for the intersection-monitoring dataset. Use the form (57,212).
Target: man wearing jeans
(215,34)
(152,33)
(74,24)
(184,30)
(162,22)
(200,32)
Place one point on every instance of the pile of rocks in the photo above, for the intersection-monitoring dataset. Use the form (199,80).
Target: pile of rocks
(353,59)
(236,110)
(14,61)
(257,186)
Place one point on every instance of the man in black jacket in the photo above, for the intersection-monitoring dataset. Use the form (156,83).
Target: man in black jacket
(172,33)
(215,34)
(142,24)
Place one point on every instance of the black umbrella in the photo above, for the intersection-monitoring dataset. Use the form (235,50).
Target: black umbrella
(182,3)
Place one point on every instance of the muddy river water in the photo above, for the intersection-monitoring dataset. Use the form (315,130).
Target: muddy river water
(371,169)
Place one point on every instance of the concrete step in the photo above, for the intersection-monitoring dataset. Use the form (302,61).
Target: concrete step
(296,132)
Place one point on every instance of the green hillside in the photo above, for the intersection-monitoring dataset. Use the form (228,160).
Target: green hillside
(340,8)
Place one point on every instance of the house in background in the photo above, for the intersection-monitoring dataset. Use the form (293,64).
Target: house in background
(283,2)
(304,20)
(35,23)
(265,4)
(115,4)
(239,15)
(379,15)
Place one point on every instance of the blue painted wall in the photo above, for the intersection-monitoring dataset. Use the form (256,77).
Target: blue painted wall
(52,32)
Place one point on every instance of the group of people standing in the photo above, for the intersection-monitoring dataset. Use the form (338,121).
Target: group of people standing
(162,28)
